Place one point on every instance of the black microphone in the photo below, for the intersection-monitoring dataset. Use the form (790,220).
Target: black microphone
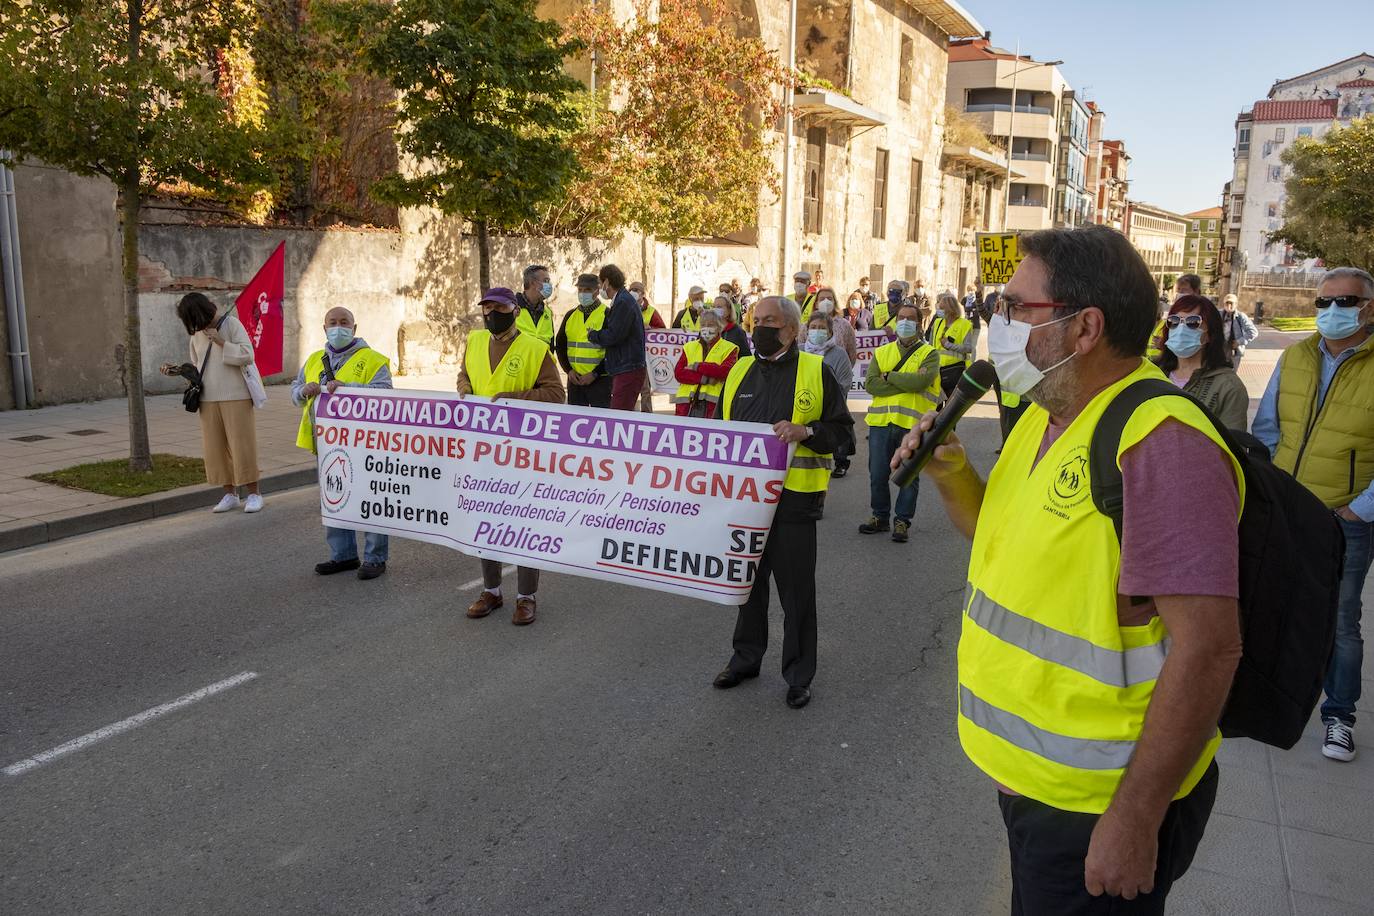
(973,384)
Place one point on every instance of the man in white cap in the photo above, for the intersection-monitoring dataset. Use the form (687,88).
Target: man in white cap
(802,294)
(1240,330)
(689,319)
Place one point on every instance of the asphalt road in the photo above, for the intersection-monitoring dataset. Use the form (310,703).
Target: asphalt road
(392,756)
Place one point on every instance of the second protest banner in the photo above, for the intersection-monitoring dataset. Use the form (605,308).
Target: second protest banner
(668,503)
(998,255)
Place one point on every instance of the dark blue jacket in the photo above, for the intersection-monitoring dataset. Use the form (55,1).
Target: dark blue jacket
(622,335)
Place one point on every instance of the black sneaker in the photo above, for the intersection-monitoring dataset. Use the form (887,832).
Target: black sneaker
(1340,741)
(331,567)
(874,525)
(839,472)
(899,531)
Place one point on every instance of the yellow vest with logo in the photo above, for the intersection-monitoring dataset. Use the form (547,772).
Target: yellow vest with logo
(582,353)
(525,322)
(1053,691)
(940,329)
(358,369)
(806,304)
(1330,450)
(690,322)
(709,389)
(517,371)
(809,471)
(902,409)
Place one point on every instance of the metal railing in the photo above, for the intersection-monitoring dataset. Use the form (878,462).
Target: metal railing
(1006,106)
(1285,279)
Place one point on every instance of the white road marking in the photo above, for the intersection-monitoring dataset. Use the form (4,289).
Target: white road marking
(478,581)
(124,725)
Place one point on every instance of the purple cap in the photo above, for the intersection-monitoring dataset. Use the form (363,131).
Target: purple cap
(499,295)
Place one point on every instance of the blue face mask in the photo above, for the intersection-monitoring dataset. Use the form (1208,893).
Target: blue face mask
(894,296)
(1184,341)
(339,337)
(586,298)
(546,290)
(817,336)
(1337,322)
(907,329)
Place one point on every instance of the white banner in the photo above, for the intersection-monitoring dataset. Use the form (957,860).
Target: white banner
(670,503)
(662,349)
(868,342)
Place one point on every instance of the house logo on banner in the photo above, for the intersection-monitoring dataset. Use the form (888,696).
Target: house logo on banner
(663,347)
(336,480)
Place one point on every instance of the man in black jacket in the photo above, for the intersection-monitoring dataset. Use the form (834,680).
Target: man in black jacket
(777,387)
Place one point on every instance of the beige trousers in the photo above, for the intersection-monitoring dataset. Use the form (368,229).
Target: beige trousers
(229,439)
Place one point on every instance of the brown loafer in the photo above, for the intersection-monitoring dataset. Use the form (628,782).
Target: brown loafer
(524,612)
(484,605)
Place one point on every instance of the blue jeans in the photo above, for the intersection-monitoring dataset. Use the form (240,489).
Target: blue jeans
(343,545)
(883,442)
(1343,676)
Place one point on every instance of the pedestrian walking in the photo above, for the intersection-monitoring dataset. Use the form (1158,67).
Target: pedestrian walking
(1100,754)
(702,369)
(623,337)
(536,315)
(345,361)
(904,380)
(1239,330)
(1314,417)
(222,354)
(801,399)
(1194,359)
(589,384)
(823,339)
(502,363)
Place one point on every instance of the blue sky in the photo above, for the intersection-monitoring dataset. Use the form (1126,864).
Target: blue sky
(1172,76)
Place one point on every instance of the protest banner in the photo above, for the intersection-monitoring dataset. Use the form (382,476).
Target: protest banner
(868,342)
(670,503)
(662,349)
(998,255)
(260,311)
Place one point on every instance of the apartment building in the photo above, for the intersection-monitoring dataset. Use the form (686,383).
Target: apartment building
(1202,246)
(1161,238)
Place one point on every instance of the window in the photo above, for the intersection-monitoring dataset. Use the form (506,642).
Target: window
(814,188)
(1271,210)
(1211,244)
(880,195)
(1304,131)
(1210,263)
(1211,225)
(1279,134)
(875,279)
(1192,244)
(905,67)
(913,275)
(1276,173)
(913,203)
(1196,223)
(1243,140)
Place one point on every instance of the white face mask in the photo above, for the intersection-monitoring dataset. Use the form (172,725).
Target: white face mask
(1007,349)
(709,334)
(799,286)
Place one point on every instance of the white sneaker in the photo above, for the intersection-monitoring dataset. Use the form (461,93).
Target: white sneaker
(253,503)
(1340,741)
(229,503)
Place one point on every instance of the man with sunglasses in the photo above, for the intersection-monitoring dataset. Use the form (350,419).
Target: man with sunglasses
(1315,419)
(1092,671)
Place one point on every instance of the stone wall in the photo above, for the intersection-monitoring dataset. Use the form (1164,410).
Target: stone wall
(1279,302)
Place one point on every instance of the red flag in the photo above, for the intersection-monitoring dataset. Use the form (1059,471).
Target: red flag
(260,310)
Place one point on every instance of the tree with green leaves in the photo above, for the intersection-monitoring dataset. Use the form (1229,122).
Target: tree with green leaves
(484,111)
(1329,213)
(693,101)
(130,90)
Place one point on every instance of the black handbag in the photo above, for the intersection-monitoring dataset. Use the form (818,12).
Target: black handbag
(190,398)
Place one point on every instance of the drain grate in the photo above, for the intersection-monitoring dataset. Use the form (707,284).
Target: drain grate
(34,438)
(87,432)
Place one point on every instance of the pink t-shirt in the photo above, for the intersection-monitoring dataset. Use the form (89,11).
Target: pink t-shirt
(1179,515)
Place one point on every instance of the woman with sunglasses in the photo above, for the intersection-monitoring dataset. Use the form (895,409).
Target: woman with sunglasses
(1194,358)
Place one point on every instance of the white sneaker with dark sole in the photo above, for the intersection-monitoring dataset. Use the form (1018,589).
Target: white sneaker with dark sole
(1340,741)
(229,503)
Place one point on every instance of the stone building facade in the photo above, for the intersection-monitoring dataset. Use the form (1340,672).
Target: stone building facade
(1161,238)
(1202,247)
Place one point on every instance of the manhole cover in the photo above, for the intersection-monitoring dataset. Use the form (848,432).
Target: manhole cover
(88,432)
(31,438)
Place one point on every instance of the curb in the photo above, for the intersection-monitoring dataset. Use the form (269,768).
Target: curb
(60,525)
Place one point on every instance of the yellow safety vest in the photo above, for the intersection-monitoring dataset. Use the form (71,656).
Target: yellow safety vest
(517,371)
(902,409)
(1052,689)
(358,369)
(582,353)
(647,313)
(1329,449)
(809,471)
(940,329)
(690,322)
(1151,351)
(881,314)
(709,389)
(524,321)
(805,305)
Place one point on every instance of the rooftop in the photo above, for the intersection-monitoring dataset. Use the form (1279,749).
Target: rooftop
(1209,213)
(1302,76)
(981,49)
(1298,110)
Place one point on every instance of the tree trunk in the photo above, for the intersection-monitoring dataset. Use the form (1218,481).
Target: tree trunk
(674,284)
(130,187)
(483,255)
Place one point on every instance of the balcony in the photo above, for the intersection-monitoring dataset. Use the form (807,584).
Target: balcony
(824,106)
(1031,157)
(999,106)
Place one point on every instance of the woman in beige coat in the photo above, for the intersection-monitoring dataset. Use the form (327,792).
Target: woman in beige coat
(228,432)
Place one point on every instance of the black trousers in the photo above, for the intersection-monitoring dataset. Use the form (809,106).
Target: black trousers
(1049,846)
(597,394)
(790,558)
(949,377)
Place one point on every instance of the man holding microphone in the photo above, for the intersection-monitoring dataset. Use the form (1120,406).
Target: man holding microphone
(1092,675)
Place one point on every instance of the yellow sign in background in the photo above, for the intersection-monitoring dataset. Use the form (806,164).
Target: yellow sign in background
(998,255)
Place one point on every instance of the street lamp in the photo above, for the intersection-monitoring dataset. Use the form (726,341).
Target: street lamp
(1011,128)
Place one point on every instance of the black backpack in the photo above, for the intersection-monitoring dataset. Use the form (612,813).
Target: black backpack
(1291,552)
